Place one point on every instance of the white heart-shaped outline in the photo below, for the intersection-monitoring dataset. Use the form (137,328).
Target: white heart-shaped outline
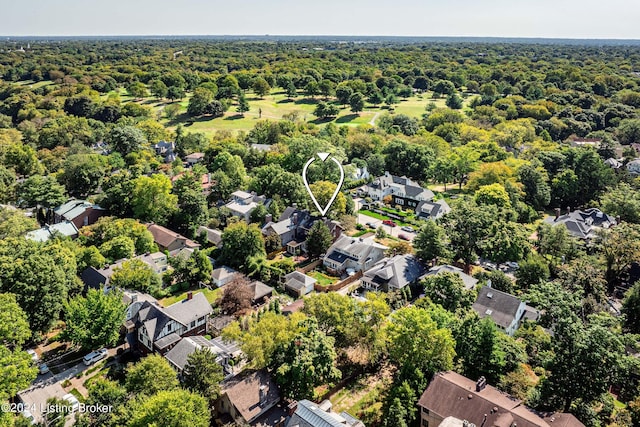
(323,212)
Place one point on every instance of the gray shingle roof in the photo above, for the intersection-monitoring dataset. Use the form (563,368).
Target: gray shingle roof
(396,272)
(188,310)
(309,414)
(469,282)
(500,306)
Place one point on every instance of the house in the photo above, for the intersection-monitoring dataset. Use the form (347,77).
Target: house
(582,224)
(80,212)
(166,150)
(357,253)
(469,282)
(252,399)
(577,141)
(298,283)
(432,210)
(393,273)
(168,240)
(96,278)
(403,191)
(309,414)
(228,353)
(294,307)
(155,328)
(613,163)
(633,167)
(261,292)
(506,311)
(293,227)
(243,203)
(451,395)
(213,236)
(223,275)
(66,228)
(194,158)
(262,147)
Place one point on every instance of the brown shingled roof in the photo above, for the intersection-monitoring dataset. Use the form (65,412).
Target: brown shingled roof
(165,237)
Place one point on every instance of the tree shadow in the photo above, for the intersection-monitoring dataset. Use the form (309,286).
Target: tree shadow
(285,101)
(235,117)
(348,118)
(306,101)
(320,121)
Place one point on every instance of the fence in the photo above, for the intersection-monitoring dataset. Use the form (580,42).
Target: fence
(339,285)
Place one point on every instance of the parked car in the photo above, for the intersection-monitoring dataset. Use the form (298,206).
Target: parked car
(389,223)
(408,229)
(94,356)
(33,354)
(403,236)
(43,369)
(371,225)
(512,264)
(75,404)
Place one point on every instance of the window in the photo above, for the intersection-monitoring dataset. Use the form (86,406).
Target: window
(425,423)
(425,410)
(169,325)
(192,325)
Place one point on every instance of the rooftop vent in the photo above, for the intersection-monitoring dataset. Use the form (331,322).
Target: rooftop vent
(488,312)
(490,295)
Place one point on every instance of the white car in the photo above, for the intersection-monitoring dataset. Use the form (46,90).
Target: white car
(33,354)
(94,356)
(43,369)
(73,401)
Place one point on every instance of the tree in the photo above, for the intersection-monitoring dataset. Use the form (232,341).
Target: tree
(137,90)
(324,110)
(108,228)
(240,242)
(448,290)
(536,190)
(151,375)
(202,374)
(158,88)
(14,327)
(335,314)
(454,101)
(629,131)
(243,105)
(531,271)
(416,342)
(291,90)
(343,93)
(199,101)
(356,102)
(319,239)
(175,92)
(126,139)
(41,191)
(94,321)
(13,223)
(622,201)
(237,297)
(494,194)
(152,199)
(194,270)
(305,362)
(261,87)
(83,173)
(620,247)
(136,275)
(177,408)
(554,241)
(323,191)
(506,241)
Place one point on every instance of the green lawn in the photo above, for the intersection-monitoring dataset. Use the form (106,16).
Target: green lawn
(211,295)
(323,279)
(382,217)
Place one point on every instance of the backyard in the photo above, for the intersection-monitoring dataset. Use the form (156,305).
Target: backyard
(322,278)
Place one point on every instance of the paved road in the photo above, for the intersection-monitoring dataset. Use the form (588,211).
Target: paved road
(393,231)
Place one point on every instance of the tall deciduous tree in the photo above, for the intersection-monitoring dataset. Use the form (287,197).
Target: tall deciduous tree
(41,191)
(136,275)
(202,374)
(126,139)
(448,290)
(94,321)
(152,199)
(240,242)
(151,375)
(319,239)
(177,408)
(236,297)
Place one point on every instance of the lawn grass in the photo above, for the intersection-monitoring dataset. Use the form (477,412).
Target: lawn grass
(211,294)
(77,394)
(382,217)
(323,279)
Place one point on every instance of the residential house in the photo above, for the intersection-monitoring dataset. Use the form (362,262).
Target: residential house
(294,307)
(403,191)
(156,328)
(46,232)
(357,253)
(261,292)
(262,147)
(451,395)
(309,414)
(298,283)
(194,158)
(166,150)
(168,240)
(577,141)
(228,353)
(506,311)
(97,278)
(80,212)
(633,167)
(252,398)
(393,273)
(469,281)
(213,236)
(613,163)
(432,210)
(223,275)
(582,224)
(243,203)
(293,227)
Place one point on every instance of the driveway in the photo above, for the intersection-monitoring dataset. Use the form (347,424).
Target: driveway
(393,231)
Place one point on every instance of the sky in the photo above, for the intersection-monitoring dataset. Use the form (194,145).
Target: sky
(611,19)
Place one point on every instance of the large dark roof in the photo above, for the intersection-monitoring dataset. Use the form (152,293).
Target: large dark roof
(501,306)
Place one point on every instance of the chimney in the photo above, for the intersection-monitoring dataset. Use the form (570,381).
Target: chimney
(134,298)
(568,210)
(557,211)
(263,395)
(489,283)
(295,218)
(481,384)
(292,407)
(294,205)
(189,296)
(268,218)
(618,219)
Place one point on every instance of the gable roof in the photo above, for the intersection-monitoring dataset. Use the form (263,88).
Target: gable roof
(309,414)
(298,280)
(500,306)
(66,228)
(451,394)
(74,208)
(397,271)
(222,273)
(469,281)
(581,223)
(244,393)
(165,237)
(433,209)
(188,310)
(260,290)
(213,236)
